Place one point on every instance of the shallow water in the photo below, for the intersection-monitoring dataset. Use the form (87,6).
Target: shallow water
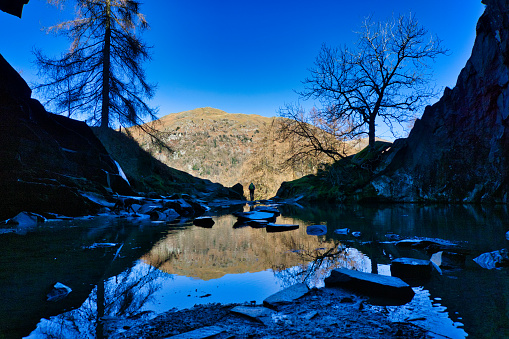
(147,268)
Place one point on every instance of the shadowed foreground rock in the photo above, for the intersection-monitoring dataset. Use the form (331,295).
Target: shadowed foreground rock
(373,285)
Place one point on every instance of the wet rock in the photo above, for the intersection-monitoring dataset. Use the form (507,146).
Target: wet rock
(316,230)
(181,206)
(257,313)
(453,259)
(493,259)
(286,296)
(59,292)
(255,215)
(357,234)
(26,219)
(411,268)
(206,222)
(507,236)
(165,215)
(268,209)
(373,285)
(342,231)
(392,237)
(280,227)
(201,333)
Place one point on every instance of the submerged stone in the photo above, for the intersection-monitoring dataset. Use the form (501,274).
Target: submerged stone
(373,285)
(316,230)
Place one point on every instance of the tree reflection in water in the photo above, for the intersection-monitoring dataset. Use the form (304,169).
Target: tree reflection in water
(113,302)
(317,263)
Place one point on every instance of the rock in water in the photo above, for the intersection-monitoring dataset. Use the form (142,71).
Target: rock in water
(493,259)
(373,285)
(281,227)
(206,222)
(411,268)
(59,292)
(316,230)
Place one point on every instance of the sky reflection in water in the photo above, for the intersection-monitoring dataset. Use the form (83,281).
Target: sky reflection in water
(222,264)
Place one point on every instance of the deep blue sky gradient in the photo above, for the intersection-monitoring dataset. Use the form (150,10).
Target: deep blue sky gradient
(246,56)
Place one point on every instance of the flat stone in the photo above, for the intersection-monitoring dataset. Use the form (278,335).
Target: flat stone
(258,313)
(201,333)
(411,268)
(286,296)
(342,231)
(370,284)
(316,230)
(255,215)
(280,227)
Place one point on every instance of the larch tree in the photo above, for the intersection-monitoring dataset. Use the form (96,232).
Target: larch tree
(385,75)
(100,77)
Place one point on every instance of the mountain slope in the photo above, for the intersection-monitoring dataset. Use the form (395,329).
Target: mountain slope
(225,148)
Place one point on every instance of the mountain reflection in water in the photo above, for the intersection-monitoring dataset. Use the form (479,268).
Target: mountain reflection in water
(189,265)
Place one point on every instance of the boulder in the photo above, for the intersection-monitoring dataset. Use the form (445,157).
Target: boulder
(373,285)
(342,231)
(58,292)
(316,230)
(411,268)
(239,190)
(280,227)
(286,296)
(493,259)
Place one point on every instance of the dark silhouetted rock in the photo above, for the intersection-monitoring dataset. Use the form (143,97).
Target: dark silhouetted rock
(206,222)
(373,285)
(411,268)
(239,189)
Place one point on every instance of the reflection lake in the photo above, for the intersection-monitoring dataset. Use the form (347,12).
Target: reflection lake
(132,267)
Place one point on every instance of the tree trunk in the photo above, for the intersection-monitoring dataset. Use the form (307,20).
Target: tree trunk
(105,113)
(371,133)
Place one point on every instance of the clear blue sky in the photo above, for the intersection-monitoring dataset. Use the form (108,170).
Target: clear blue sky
(246,56)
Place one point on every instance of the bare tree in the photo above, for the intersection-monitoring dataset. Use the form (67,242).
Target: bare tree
(101,75)
(386,75)
(310,135)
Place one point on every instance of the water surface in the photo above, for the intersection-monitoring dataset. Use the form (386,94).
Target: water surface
(149,268)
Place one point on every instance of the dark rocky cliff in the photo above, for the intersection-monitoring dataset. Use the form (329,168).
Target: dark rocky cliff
(47,160)
(459,150)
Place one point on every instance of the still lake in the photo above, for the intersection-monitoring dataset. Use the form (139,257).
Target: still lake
(132,267)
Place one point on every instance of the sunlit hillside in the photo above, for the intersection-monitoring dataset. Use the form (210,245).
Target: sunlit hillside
(226,148)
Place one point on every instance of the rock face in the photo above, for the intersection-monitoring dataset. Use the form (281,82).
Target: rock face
(459,150)
(47,159)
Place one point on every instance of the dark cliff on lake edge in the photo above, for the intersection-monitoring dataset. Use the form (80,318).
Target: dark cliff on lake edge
(48,159)
(457,152)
